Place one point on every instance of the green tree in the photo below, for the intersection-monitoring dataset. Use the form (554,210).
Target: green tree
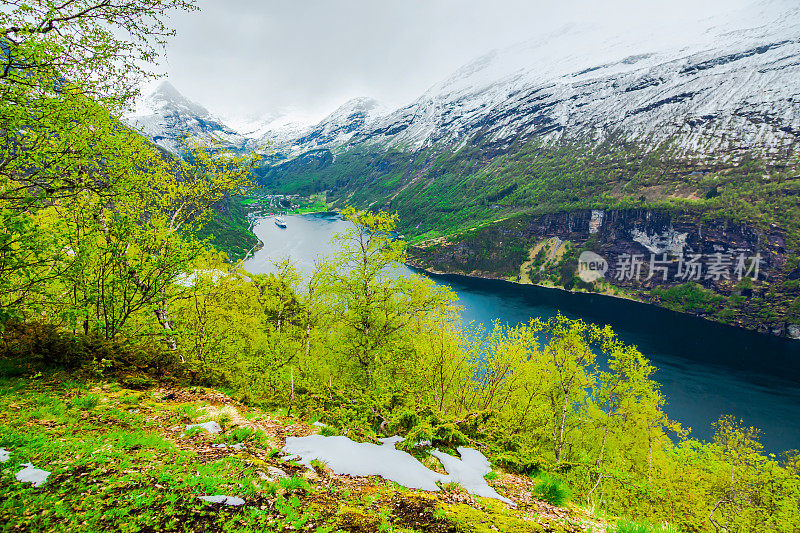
(67,71)
(369,306)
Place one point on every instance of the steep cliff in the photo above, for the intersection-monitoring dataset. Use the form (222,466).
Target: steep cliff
(717,269)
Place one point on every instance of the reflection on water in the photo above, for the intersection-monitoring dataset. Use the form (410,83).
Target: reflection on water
(705,369)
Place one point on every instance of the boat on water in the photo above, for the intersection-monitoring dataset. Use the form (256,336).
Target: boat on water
(280,222)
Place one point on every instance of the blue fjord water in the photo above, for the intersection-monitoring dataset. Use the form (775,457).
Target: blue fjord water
(705,369)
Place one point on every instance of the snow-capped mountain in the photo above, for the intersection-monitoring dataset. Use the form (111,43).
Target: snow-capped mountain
(723,85)
(167,118)
(354,117)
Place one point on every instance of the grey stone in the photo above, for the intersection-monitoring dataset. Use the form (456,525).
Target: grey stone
(225,500)
(274,472)
(212,427)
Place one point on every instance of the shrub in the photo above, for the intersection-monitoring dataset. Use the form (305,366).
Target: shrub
(10,368)
(518,463)
(552,490)
(328,431)
(422,432)
(39,346)
(448,435)
(44,345)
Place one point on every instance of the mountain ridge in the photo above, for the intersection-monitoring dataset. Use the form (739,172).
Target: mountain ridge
(727,87)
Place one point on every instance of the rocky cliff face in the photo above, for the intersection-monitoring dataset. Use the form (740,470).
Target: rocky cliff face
(717,269)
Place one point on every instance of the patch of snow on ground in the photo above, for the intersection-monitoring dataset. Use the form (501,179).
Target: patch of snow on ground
(346,457)
(237,446)
(392,440)
(469,471)
(212,427)
(29,474)
(226,500)
(4,455)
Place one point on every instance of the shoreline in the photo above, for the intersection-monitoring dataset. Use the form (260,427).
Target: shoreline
(621,297)
(563,290)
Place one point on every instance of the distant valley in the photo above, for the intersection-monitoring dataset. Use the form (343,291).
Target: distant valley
(519,150)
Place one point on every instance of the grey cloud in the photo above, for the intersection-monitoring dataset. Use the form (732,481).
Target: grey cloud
(256,57)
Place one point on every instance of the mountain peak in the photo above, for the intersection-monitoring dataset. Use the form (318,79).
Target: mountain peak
(166,93)
(362,108)
(166,116)
(166,89)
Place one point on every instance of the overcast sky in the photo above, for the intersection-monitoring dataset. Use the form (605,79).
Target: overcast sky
(305,57)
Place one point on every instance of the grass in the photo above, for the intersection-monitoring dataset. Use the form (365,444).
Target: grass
(552,490)
(112,470)
(87,402)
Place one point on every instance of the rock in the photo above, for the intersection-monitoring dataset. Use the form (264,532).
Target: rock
(4,455)
(274,472)
(224,500)
(212,427)
(29,474)
(310,475)
(219,446)
(793,331)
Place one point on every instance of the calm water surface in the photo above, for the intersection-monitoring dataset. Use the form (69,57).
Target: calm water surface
(705,369)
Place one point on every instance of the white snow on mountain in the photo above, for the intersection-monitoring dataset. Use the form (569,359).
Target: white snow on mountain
(166,117)
(352,118)
(723,85)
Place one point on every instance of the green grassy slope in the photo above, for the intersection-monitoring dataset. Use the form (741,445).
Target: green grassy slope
(437,191)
